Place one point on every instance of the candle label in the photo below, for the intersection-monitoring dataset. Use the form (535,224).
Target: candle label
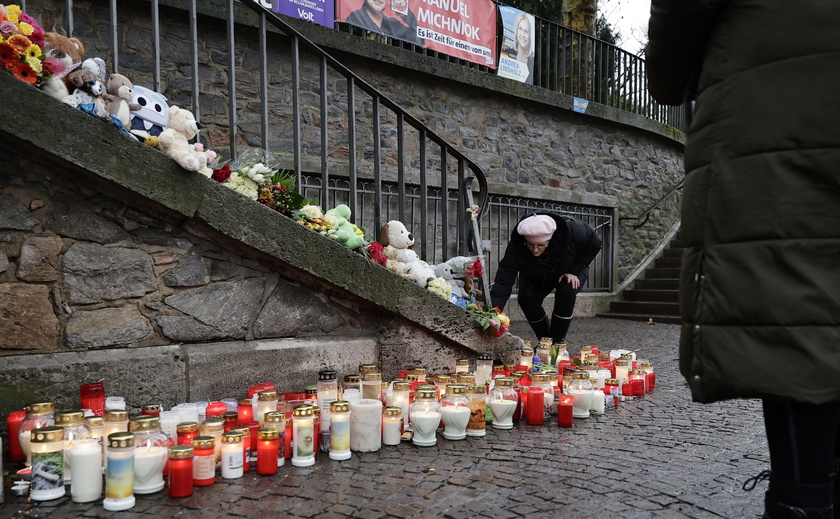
(47,470)
(119,477)
(477,416)
(204,467)
(304,442)
(340,435)
(234,460)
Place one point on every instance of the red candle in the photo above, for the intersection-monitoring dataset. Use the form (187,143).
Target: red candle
(517,412)
(204,461)
(150,410)
(267,450)
(93,397)
(565,407)
(651,380)
(638,386)
(181,471)
(231,420)
(245,410)
(287,437)
(13,427)
(187,432)
(627,389)
(535,410)
(246,446)
(214,409)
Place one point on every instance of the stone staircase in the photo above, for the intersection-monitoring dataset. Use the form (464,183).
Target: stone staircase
(656,295)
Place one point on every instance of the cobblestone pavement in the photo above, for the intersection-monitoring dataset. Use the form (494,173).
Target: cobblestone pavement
(659,456)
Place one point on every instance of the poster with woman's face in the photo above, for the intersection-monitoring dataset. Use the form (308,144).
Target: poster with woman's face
(516,60)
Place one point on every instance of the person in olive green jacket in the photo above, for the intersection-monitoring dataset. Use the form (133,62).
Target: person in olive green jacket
(760,287)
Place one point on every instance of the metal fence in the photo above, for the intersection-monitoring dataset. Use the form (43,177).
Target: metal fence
(375,137)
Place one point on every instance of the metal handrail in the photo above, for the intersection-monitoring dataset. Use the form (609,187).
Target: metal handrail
(645,216)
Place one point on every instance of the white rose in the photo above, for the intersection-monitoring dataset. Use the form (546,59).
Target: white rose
(312,211)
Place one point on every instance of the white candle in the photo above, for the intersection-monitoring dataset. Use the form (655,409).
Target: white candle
(392,426)
(232,460)
(340,430)
(365,425)
(502,413)
(455,420)
(86,458)
(582,403)
(598,402)
(148,469)
(424,425)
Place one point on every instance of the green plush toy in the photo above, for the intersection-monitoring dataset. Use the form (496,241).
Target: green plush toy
(346,233)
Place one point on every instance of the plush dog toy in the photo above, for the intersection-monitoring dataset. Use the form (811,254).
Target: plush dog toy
(65,54)
(395,234)
(174,140)
(88,93)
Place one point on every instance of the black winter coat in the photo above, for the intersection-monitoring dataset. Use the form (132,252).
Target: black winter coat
(760,278)
(571,249)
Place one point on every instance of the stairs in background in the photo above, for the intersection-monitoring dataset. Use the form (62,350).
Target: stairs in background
(655,295)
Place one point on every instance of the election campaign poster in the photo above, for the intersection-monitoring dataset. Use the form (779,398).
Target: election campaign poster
(321,12)
(465,29)
(516,60)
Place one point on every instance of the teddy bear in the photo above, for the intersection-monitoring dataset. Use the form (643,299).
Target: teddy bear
(395,234)
(118,102)
(88,93)
(174,140)
(473,295)
(65,55)
(345,232)
(443,270)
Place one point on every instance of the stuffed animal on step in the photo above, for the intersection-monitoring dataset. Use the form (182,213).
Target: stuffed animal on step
(443,270)
(174,140)
(151,118)
(64,56)
(119,101)
(345,232)
(395,234)
(88,93)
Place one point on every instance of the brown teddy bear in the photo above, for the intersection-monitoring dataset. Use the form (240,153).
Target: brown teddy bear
(68,52)
(118,102)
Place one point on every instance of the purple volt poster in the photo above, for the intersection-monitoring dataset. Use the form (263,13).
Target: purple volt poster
(321,12)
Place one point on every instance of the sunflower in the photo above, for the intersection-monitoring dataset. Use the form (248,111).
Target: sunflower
(19,42)
(24,72)
(8,55)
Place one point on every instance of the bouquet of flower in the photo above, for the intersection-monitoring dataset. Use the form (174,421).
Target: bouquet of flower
(21,47)
(490,321)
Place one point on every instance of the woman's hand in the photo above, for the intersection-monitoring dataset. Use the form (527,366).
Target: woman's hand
(571,279)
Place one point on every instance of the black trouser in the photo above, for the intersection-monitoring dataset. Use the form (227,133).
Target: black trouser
(803,441)
(532,293)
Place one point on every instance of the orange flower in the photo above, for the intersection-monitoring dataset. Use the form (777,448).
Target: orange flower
(19,42)
(24,72)
(8,55)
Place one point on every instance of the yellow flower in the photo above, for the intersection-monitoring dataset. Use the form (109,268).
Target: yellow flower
(504,319)
(33,52)
(25,28)
(13,9)
(12,17)
(36,65)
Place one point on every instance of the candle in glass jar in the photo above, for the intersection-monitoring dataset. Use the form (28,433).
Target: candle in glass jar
(340,430)
(150,410)
(462,366)
(149,461)
(366,425)
(267,402)
(47,456)
(214,410)
(116,420)
(425,417)
(119,472)
(392,425)
(204,461)
(477,425)
(186,433)
(181,471)
(303,432)
(213,427)
(400,398)
(535,408)
(245,410)
(327,394)
(13,422)
(622,367)
(230,419)
(86,459)
(371,385)
(246,446)
(503,402)
(483,369)
(267,450)
(92,396)
(232,455)
(277,420)
(565,410)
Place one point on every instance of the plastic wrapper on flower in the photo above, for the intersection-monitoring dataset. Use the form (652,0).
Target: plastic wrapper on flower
(466,266)
(21,47)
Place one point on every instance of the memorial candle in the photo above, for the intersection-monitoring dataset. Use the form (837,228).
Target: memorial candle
(455,412)
(181,471)
(503,400)
(267,402)
(267,451)
(565,410)
(462,366)
(186,433)
(230,419)
(371,385)
(13,422)
(86,459)
(151,455)
(119,472)
(214,410)
(535,406)
(327,394)
(245,410)
(483,368)
(232,455)
(204,461)
(526,358)
(47,456)
(92,396)
(340,430)
(366,425)
(213,427)
(116,420)
(73,422)
(38,415)
(303,428)
(477,425)
(400,397)
(277,420)
(392,428)
(150,410)
(425,418)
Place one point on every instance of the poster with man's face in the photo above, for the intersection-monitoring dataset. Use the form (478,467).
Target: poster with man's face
(465,29)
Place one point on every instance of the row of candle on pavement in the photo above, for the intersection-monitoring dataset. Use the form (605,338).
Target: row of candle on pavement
(193,441)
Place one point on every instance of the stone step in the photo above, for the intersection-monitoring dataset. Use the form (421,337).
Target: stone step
(669,319)
(668,262)
(657,284)
(653,296)
(645,308)
(660,273)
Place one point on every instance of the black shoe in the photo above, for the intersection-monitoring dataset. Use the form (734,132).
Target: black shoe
(775,510)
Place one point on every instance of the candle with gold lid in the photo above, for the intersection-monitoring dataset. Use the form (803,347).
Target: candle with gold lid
(371,385)
(116,420)
(462,366)
(400,396)
(303,436)
(151,455)
(73,422)
(277,420)
(392,428)
(503,400)
(465,378)
(38,414)
(230,419)
(483,368)
(47,457)
(245,409)
(181,471)
(267,440)
(204,461)
(150,409)
(455,412)
(232,455)
(213,427)
(119,472)
(477,424)
(421,374)
(340,430)
(266,402)
(425,417)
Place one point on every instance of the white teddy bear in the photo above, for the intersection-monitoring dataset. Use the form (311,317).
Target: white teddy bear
(394,234)
(174,140)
